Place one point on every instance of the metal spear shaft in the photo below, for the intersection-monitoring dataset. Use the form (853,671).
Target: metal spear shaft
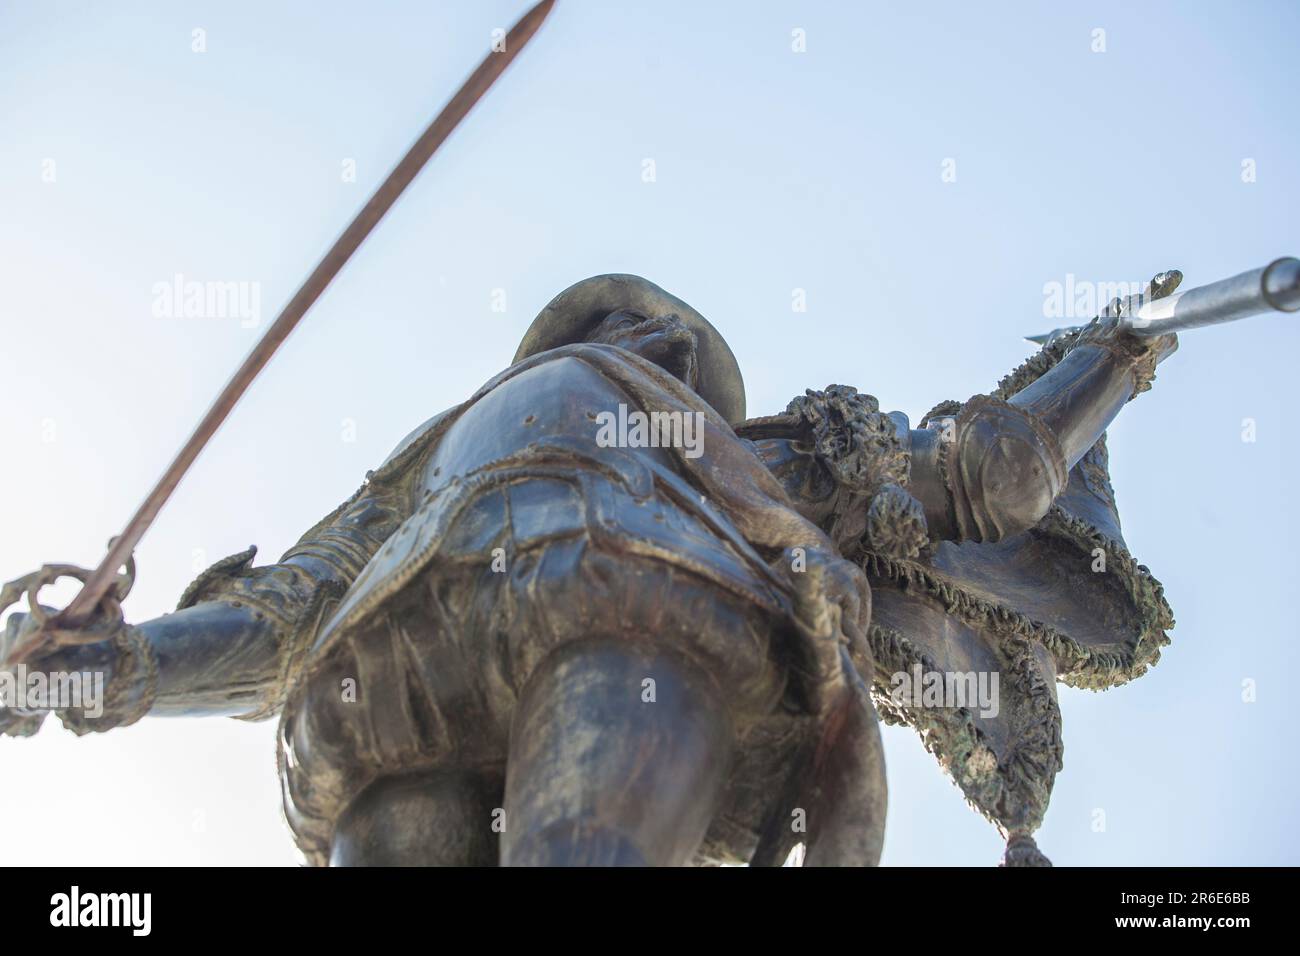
(1272,288)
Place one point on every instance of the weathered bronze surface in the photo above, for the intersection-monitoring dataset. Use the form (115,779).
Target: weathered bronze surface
(594,615)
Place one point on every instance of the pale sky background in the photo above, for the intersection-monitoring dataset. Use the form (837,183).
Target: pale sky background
(775,171)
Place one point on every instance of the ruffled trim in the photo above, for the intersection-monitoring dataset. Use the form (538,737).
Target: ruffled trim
(1012,793)
(1077,665)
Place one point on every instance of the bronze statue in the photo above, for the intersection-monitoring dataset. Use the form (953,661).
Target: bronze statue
(593,615)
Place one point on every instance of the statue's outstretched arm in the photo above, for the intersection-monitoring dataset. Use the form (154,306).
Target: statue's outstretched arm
(986,471)
(233,645)
(240,633)
(213,659)
(992,469)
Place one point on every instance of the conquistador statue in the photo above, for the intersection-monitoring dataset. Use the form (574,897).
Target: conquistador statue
(525,642)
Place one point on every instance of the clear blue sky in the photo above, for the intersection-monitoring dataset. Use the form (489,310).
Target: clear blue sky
(774,171)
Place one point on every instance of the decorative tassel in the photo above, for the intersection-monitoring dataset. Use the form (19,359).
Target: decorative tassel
(1023,851)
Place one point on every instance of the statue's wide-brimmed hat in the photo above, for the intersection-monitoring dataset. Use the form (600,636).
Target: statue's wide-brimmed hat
(574,313)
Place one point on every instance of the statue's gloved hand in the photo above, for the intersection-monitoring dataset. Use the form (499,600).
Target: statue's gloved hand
(1150,350)
(71,679)
(1140,353)
(97,674)
(1163,346)
(1146,352)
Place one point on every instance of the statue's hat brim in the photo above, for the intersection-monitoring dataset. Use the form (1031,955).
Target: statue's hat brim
(570,317)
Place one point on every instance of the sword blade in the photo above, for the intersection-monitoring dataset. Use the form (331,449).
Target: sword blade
(101,579)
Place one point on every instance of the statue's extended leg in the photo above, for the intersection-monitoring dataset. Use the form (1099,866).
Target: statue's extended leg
(618,753)
(436,818)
